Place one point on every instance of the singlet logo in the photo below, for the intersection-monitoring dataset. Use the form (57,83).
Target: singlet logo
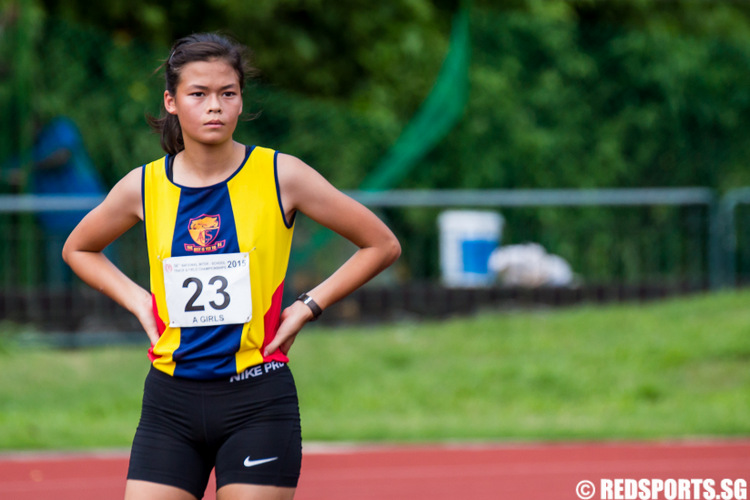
(204,229)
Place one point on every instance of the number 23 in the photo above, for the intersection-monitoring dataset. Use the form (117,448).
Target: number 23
(191,306)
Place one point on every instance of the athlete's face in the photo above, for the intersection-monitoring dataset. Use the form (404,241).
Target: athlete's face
(207,102)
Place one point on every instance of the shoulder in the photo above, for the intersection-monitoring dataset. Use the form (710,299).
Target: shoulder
(297,177)
(126,194)
(304,188)
(290,167)
(130,182)
(133,177)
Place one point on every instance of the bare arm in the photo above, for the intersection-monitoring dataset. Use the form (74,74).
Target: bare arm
(305,190)
(119,211)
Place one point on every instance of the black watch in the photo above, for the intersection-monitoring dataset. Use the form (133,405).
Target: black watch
(314,307)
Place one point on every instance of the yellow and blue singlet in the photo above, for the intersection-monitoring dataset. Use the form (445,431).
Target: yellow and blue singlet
(241,214)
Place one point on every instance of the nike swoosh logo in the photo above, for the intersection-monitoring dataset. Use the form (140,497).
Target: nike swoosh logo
(253,463)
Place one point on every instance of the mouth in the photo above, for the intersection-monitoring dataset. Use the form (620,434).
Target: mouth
(214,123)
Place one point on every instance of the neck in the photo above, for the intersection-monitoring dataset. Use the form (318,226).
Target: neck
(199,165)
(207,157)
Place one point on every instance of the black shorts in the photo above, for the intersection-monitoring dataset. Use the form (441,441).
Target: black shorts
(247,427)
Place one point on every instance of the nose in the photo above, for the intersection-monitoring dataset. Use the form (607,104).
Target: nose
(214,104)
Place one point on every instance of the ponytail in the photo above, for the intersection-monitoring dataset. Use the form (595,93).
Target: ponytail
(168,126)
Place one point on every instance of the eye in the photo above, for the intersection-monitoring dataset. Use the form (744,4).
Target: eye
(197,93)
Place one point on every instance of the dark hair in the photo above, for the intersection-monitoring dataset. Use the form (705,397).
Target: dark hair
(192,48)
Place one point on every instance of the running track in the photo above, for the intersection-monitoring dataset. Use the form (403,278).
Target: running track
(464,472)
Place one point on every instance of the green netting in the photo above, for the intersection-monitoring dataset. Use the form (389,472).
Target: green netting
(438,115)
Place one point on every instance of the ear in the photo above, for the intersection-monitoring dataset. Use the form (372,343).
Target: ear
(170,103)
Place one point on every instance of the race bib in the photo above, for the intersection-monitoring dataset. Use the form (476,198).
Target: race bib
(208,290)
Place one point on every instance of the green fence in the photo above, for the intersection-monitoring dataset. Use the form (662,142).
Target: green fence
(664,240)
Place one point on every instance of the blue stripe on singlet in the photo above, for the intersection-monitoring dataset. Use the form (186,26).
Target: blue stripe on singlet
(207,351)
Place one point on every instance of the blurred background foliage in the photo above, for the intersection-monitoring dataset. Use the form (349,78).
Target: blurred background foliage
(564,94)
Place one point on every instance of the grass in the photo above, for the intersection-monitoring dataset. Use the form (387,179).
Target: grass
(673,369)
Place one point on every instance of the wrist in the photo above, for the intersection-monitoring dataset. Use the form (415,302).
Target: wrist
(312,305)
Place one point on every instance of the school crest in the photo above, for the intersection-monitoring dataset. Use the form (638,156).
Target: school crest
(204,230)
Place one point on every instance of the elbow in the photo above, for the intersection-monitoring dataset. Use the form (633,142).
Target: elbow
(392,251)
(67,252)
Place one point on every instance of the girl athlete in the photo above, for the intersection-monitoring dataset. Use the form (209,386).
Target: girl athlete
(219,217)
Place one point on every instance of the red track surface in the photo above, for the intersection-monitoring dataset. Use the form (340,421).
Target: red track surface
(487,472)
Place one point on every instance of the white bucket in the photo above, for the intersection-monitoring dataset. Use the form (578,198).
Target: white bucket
(467,238)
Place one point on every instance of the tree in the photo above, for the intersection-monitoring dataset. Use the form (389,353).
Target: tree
(379,57)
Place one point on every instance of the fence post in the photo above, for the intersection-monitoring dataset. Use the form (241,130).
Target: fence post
(718,274)
(728,231)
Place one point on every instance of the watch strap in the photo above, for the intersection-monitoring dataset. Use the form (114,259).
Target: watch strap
(309,302)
